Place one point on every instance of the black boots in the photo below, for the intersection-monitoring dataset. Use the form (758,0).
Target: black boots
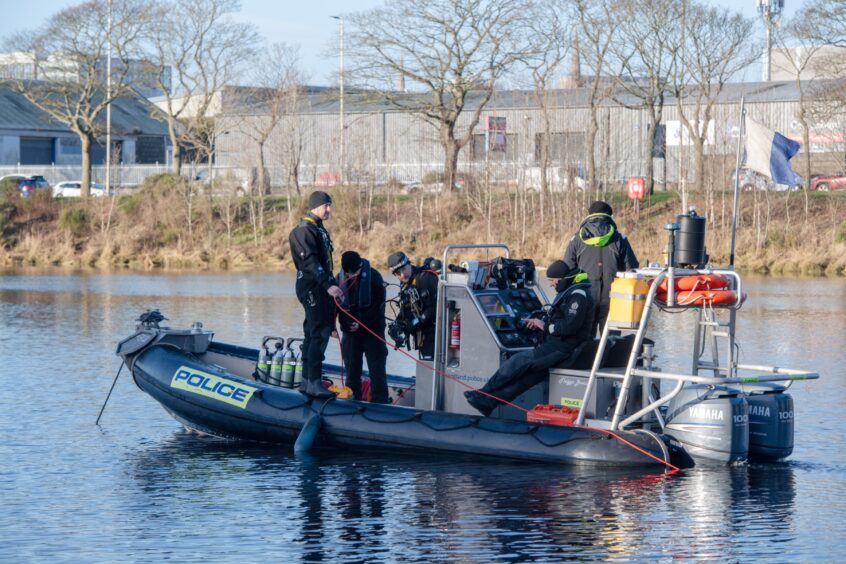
(481,403)
(314,389)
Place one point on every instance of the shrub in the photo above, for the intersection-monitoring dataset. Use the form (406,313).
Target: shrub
(75,220)
(432,177)
(840,234)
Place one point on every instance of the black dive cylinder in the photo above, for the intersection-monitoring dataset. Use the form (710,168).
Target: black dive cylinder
(690,240)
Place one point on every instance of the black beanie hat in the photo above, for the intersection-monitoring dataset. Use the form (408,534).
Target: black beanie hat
(350,261)
(600,207)
(557,269)
(318,198)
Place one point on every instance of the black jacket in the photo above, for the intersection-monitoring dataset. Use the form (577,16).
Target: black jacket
(311,249)
(371,314)
(601,251)
(571,314)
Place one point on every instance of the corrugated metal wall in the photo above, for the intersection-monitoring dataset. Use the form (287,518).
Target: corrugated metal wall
(385,139)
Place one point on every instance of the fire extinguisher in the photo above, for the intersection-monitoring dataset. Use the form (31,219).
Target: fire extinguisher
(455,332)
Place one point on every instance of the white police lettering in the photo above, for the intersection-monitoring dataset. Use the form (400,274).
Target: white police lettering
(704,413)
(759,411)
(212,386)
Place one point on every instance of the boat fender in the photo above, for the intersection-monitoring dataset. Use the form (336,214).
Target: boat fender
(308,434)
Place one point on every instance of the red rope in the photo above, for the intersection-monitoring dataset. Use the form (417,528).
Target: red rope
(523,409)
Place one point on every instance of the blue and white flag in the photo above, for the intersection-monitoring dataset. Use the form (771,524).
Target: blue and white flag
(769,152)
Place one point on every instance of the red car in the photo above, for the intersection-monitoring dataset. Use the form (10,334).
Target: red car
(828,182)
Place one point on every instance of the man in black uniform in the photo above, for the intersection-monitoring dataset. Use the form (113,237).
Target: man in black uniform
(364,298)
(311,249)
(569,325)
(601,251)
(418,299)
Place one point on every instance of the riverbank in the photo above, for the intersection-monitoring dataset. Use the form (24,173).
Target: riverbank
(171,224)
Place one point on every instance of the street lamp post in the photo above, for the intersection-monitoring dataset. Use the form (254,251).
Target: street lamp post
(770,11)
(341,89)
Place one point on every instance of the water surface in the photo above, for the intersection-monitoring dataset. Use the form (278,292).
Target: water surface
(139,488)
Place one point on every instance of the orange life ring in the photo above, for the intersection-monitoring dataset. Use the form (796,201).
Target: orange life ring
(697,282)
(703,297)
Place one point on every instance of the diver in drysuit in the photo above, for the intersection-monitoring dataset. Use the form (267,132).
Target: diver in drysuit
(569,325)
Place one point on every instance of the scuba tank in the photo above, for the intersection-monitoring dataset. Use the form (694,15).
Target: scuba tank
(276,365)
(288,369)
(263,365)
(298,371)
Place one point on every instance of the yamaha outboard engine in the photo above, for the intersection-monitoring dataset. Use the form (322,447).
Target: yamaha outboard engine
(770,421)
(710,422)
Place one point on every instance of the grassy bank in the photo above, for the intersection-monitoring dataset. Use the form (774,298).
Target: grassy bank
(171,224)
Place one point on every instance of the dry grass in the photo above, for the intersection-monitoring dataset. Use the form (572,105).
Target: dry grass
(172,224)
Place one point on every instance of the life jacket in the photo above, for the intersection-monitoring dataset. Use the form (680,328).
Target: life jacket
(364,297)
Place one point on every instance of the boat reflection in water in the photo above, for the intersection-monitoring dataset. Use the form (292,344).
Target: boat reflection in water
(367,507)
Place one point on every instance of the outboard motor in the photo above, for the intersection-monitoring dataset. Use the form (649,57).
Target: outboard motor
(770,421)
(710,422)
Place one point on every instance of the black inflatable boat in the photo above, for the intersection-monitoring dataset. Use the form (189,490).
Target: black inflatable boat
(210,388)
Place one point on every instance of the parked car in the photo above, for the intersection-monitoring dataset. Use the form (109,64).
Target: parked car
(73,189)
(559,179)
(828,182)
(16,177)
(29,185)
(751,180)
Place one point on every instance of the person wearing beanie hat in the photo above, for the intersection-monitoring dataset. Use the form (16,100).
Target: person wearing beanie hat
(361,314)
(318,198)
(418,298)
(311,250)
(568,327)
(601,251)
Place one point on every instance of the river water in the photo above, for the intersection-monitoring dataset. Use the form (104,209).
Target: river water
(139,488)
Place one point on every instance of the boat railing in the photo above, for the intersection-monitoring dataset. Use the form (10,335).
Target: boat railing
(764,374)
(631,371)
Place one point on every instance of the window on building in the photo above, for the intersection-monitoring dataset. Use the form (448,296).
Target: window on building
(501,147)
(566,148)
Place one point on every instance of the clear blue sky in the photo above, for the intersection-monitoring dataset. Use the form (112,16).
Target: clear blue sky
(293,21)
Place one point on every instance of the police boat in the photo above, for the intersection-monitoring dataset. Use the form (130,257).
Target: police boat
(611,405)
(226,390)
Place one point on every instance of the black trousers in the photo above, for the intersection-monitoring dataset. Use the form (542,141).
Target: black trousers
(357,346)
(427,349)
(317,327)
(524,370)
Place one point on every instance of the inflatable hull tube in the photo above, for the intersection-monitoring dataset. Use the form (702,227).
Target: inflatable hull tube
(207,399)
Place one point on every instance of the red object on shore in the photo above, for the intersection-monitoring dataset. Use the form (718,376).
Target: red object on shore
(553,415)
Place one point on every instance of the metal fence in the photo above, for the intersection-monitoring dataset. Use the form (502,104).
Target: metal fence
(128,176)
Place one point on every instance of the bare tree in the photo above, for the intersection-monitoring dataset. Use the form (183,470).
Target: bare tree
(70,53)
(596,33)
(201,46)
(644,49)
(447,48)
(798,46)
(715,46)
(550,36)
(278,84)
